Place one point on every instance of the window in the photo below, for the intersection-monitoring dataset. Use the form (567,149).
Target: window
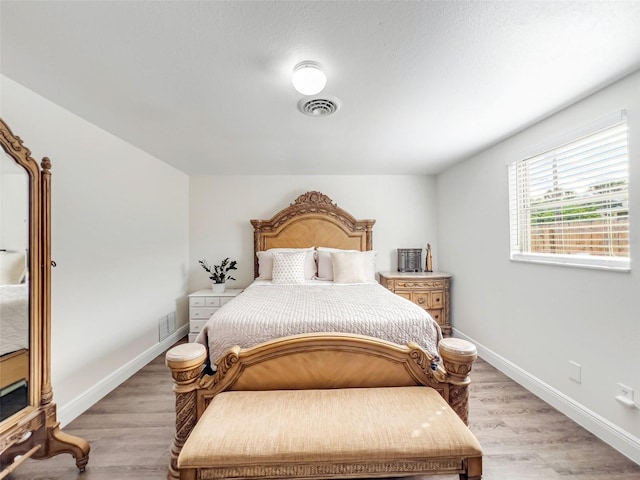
(570,205)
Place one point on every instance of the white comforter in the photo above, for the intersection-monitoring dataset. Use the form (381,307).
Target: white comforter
(14,317)
(264,312)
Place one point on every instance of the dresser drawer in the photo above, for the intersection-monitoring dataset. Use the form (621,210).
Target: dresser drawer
(201,313)
(196,325)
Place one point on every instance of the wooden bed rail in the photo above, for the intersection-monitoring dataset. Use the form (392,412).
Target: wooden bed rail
(314,361)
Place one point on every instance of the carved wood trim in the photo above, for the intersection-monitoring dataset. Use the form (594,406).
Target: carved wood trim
(310,207)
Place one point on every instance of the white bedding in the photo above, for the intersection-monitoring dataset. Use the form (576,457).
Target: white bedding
(14,317)
(265,311)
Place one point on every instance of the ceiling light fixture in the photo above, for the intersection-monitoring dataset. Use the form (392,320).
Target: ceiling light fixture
(308,78)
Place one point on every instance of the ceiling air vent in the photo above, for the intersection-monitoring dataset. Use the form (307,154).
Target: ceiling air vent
(319,107)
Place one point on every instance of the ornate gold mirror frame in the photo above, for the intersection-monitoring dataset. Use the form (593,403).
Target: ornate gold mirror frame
(34,431)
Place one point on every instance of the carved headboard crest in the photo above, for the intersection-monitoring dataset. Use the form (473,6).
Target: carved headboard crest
(314,197)
(312,219)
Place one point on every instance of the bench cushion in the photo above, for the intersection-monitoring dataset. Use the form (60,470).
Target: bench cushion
(342,432)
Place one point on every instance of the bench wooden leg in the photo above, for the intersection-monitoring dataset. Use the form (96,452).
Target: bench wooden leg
(473,469)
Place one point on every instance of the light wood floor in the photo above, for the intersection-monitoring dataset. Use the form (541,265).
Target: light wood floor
(523,438)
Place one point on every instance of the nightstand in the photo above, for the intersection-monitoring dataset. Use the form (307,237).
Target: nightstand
(430,290)
(203,304)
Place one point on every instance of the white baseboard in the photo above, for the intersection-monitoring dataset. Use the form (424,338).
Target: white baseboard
(72,409)
(621,440)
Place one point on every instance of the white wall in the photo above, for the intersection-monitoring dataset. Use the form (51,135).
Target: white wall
(221,206)
(539,317)
(14,199)
(119,237)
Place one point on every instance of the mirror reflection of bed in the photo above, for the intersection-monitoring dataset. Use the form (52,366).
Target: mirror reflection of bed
(14,289)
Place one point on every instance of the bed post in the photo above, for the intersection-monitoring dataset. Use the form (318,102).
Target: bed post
(457,357)
(186,362)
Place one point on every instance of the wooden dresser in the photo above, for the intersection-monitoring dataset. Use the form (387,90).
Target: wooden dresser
(430,290)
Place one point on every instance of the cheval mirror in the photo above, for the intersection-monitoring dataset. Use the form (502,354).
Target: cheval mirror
(28,424)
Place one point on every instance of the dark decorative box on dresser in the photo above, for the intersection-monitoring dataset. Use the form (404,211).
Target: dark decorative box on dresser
(430,290)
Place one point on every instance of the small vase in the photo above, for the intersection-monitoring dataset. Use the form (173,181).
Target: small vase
(217,287)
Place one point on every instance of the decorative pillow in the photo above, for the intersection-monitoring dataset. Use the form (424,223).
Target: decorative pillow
(325,265)
(265,265)
(348,267)
(288,267)
(265,262)
(13,268)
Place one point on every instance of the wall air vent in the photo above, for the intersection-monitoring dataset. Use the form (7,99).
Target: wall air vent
(319,107)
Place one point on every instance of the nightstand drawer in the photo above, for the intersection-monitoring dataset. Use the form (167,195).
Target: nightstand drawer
(437,299)
(438,316)
(196,325)
(411,284)
(208,301)
(422,299)
(196,301)
(406,295)
(212,301)
(201,313)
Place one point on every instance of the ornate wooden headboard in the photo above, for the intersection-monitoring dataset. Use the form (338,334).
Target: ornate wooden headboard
(313,219)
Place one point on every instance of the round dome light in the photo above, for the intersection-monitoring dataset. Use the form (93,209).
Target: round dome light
(308,78)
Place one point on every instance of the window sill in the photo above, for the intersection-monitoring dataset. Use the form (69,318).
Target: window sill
(576,262)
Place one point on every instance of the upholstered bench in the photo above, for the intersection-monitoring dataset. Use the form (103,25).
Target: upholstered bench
(395,426)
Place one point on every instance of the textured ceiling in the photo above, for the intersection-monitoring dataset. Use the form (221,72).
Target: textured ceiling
(205,86)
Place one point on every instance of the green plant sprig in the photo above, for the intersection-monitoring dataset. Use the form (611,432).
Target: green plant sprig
(219,273)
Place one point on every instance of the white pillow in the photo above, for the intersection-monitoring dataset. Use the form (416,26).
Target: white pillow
(13,268)
(348,267)
(265,262)
(325,266)
(288,267)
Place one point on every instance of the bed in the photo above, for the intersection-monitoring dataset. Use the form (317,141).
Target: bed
(315,272)
(313,303)
(14,321)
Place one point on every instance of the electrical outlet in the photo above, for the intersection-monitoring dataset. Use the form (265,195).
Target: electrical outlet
(625,392)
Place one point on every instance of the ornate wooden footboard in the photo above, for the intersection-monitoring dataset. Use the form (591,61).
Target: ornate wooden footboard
(314,361)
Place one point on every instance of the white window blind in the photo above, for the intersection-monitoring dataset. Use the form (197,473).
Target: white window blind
(570,204)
